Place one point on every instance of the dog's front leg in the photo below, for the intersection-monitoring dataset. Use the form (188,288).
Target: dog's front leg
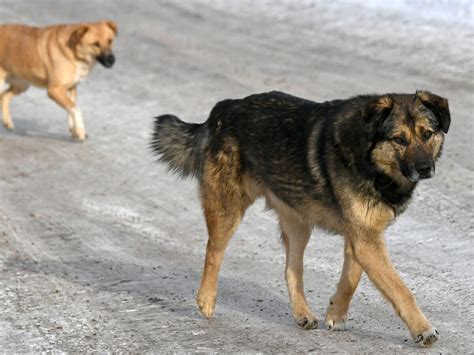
(339,305)
(72,93)
(371,253)
(60,95)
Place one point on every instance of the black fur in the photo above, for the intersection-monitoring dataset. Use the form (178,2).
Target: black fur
(180,144)
(273,131)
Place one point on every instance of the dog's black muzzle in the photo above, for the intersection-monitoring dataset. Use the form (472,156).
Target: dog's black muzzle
(423,169)
(107,59)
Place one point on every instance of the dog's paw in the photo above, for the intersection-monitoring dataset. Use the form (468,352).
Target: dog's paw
(307,321)
(81,135)
(428,337)
(335,318)
(9,125)
(78,135)
(206,306)
(336,324)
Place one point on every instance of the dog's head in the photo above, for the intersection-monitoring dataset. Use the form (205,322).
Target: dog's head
(93,41)
(406,133)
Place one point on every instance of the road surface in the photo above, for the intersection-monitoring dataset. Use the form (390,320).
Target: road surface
(101,249)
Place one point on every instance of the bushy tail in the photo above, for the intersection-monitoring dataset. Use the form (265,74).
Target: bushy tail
(179,144)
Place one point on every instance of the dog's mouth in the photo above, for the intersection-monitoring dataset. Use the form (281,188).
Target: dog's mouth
(107,59)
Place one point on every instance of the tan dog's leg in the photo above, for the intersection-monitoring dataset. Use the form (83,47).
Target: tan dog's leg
(60,95)
(72,93)
(339,305)
(6,100)
(371,253)
(296,234)
(224,204)
(3,76)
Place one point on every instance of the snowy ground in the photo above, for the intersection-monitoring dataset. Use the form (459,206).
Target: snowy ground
(101,249)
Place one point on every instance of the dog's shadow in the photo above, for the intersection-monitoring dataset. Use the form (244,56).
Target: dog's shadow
(174,289)
(170,288)
(36,129)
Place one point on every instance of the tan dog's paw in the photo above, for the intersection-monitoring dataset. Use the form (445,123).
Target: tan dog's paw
(336,317)
(306,321)
(206,306)
(81,135)
(336,323)
(76,125)
(78,135)
(428,337)
(9,125)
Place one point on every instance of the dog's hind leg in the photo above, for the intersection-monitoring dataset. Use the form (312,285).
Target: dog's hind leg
(296,234)
(339,305)
(3,76)
(224,203)
(7,96)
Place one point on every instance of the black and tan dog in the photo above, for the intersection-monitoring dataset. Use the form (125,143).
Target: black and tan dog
(55,57)
(348,166)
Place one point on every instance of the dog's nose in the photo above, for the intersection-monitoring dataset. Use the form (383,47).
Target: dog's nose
(110,60)
(425,170)
(106,59)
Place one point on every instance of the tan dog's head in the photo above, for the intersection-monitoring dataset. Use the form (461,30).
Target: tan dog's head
(407,132)
(93,41)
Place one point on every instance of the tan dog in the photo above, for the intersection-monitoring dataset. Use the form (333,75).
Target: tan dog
(56,58)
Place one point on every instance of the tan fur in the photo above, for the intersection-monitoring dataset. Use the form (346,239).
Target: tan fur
(295,234)
(384,156)
(370,252)
(56,58)
(224,203)
(336,314)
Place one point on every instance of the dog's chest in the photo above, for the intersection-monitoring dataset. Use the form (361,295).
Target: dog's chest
(82,70)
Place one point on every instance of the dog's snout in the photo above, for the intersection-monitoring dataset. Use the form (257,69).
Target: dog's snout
(110,59)
(425,170)
(107,59)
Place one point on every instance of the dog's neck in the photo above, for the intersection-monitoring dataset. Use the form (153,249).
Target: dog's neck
(393,193)
(373,182)
(83,69)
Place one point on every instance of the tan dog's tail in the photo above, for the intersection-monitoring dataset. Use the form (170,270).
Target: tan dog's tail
(180,144)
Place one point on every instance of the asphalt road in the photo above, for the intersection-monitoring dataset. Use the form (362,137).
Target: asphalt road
(101,249)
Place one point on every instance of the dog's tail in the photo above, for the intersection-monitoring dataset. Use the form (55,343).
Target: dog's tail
(179,144)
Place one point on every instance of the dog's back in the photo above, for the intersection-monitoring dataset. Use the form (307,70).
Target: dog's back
(16,39)
(270,131)
(253,120)
(20,53)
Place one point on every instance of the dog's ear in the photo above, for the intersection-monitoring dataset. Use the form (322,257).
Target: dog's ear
(438,105)
(113,26)
(77,35)
(374,114)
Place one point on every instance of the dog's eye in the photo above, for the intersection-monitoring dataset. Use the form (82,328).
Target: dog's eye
(97,44)
(427,134)
(400,140)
